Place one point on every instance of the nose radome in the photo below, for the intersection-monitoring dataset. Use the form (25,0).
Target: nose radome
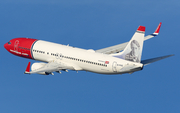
(5,46)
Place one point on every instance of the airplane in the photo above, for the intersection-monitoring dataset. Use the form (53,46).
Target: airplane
(119,59)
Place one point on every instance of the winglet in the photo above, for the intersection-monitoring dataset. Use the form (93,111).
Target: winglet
(157,30)
(28,68)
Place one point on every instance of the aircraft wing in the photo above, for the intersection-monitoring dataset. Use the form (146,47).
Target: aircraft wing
(51,67)
(120,47)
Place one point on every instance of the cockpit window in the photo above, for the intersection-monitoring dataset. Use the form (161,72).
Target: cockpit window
(9,43)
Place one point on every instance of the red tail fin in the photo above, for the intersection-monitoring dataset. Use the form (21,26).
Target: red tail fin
(141,28)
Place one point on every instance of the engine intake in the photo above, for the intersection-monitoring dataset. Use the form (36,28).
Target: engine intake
(36,66)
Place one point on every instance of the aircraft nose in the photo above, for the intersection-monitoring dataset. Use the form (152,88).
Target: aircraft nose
(5,45)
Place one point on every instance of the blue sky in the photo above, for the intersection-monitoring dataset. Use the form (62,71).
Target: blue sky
(91,24)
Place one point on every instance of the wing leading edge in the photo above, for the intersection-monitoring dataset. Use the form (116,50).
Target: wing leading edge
(46,69)
(120,47)
(49,68)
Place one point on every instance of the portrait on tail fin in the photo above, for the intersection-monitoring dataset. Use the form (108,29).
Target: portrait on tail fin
(133,55)
(133,50)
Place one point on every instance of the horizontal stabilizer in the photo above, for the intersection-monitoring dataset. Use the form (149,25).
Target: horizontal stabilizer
(148,61)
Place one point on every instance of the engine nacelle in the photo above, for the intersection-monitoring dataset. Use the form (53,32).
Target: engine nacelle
(36,66)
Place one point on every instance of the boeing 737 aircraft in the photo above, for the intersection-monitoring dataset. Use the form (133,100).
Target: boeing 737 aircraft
(57,57)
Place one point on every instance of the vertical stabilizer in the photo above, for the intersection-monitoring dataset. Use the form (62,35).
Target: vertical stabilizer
(133,50)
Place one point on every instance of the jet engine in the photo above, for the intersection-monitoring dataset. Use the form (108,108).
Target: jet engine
(36,66)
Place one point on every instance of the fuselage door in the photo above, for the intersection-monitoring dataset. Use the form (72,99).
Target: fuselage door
(114,66)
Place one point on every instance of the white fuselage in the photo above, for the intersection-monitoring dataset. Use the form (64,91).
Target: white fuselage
(81,59)
(61,57)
